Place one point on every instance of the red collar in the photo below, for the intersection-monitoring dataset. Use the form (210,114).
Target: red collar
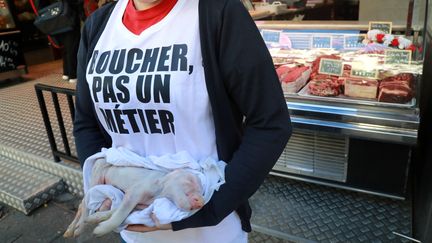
(139,20)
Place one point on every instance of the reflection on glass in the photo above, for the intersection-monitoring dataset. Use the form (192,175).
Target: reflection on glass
(6,21)
(429,22)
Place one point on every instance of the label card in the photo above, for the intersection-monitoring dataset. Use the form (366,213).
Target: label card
(386,27)
(354,41)
(324,42)
(271,36)
(331,67)
(398,56)
(363,73)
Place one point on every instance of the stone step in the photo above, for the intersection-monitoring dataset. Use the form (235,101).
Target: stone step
(25,188)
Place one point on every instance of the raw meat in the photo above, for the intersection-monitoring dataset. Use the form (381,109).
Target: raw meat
(293,78)
(397,89)
(395,95)
(326,85)
(323,84)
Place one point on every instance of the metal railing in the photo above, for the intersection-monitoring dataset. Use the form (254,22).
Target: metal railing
(55,91)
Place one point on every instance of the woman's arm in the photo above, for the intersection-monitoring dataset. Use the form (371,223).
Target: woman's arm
(252,83)
(89,138)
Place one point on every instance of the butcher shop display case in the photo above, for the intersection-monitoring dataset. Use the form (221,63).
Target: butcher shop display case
(353,91)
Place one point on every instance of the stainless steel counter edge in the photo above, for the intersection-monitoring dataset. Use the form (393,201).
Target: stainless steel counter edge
(321,25)
(359,130)
(395,119)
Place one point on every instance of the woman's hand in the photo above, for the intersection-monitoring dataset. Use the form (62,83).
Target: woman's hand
(143,228)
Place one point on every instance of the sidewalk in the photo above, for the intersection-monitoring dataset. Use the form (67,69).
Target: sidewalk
(46,224)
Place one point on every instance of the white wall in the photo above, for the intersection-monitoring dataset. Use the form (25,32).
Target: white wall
(395,11)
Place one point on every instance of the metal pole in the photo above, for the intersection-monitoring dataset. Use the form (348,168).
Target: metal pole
(61,123)
(47,123)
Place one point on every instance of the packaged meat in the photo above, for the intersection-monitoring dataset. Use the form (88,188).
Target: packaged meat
(293,78)
(361,88)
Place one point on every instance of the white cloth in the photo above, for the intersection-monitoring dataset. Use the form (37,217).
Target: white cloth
(210,172)
(227,231)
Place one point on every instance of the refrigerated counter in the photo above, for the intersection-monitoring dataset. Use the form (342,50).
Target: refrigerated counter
(361,144)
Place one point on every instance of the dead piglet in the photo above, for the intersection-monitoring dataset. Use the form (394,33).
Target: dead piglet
(141,187)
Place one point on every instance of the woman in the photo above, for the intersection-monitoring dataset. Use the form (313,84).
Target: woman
(162,76)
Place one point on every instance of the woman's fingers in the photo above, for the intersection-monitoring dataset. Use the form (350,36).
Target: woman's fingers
(158,224)
(143,228)
(140,228)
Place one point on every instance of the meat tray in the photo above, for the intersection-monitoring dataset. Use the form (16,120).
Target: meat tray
(349,100)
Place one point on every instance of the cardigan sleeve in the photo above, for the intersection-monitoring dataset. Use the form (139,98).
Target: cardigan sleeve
(89,137)
(252,84)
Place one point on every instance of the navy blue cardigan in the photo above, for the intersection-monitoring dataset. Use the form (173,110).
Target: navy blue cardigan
(250,114)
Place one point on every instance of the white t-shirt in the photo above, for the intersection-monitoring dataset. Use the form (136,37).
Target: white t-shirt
(150,95)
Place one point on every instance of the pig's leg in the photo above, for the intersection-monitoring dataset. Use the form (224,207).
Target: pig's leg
(79,228)
(136,194)
(71,228)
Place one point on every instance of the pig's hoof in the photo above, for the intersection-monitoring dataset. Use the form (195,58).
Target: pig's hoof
(68,233)
(102,229)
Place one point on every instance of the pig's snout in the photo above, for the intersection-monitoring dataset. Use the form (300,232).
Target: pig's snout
(196,202)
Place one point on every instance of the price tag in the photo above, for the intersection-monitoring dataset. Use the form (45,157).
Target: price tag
(398,56)
(331,67)
(271,36)
(324,42)
(354,41)
(386,27)
(362,73)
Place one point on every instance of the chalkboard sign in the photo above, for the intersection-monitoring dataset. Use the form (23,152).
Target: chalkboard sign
(331,67)
(386,27)
(271,36)
(324,42)
(398,56)
(10,53)
(354,41)
(362,73)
